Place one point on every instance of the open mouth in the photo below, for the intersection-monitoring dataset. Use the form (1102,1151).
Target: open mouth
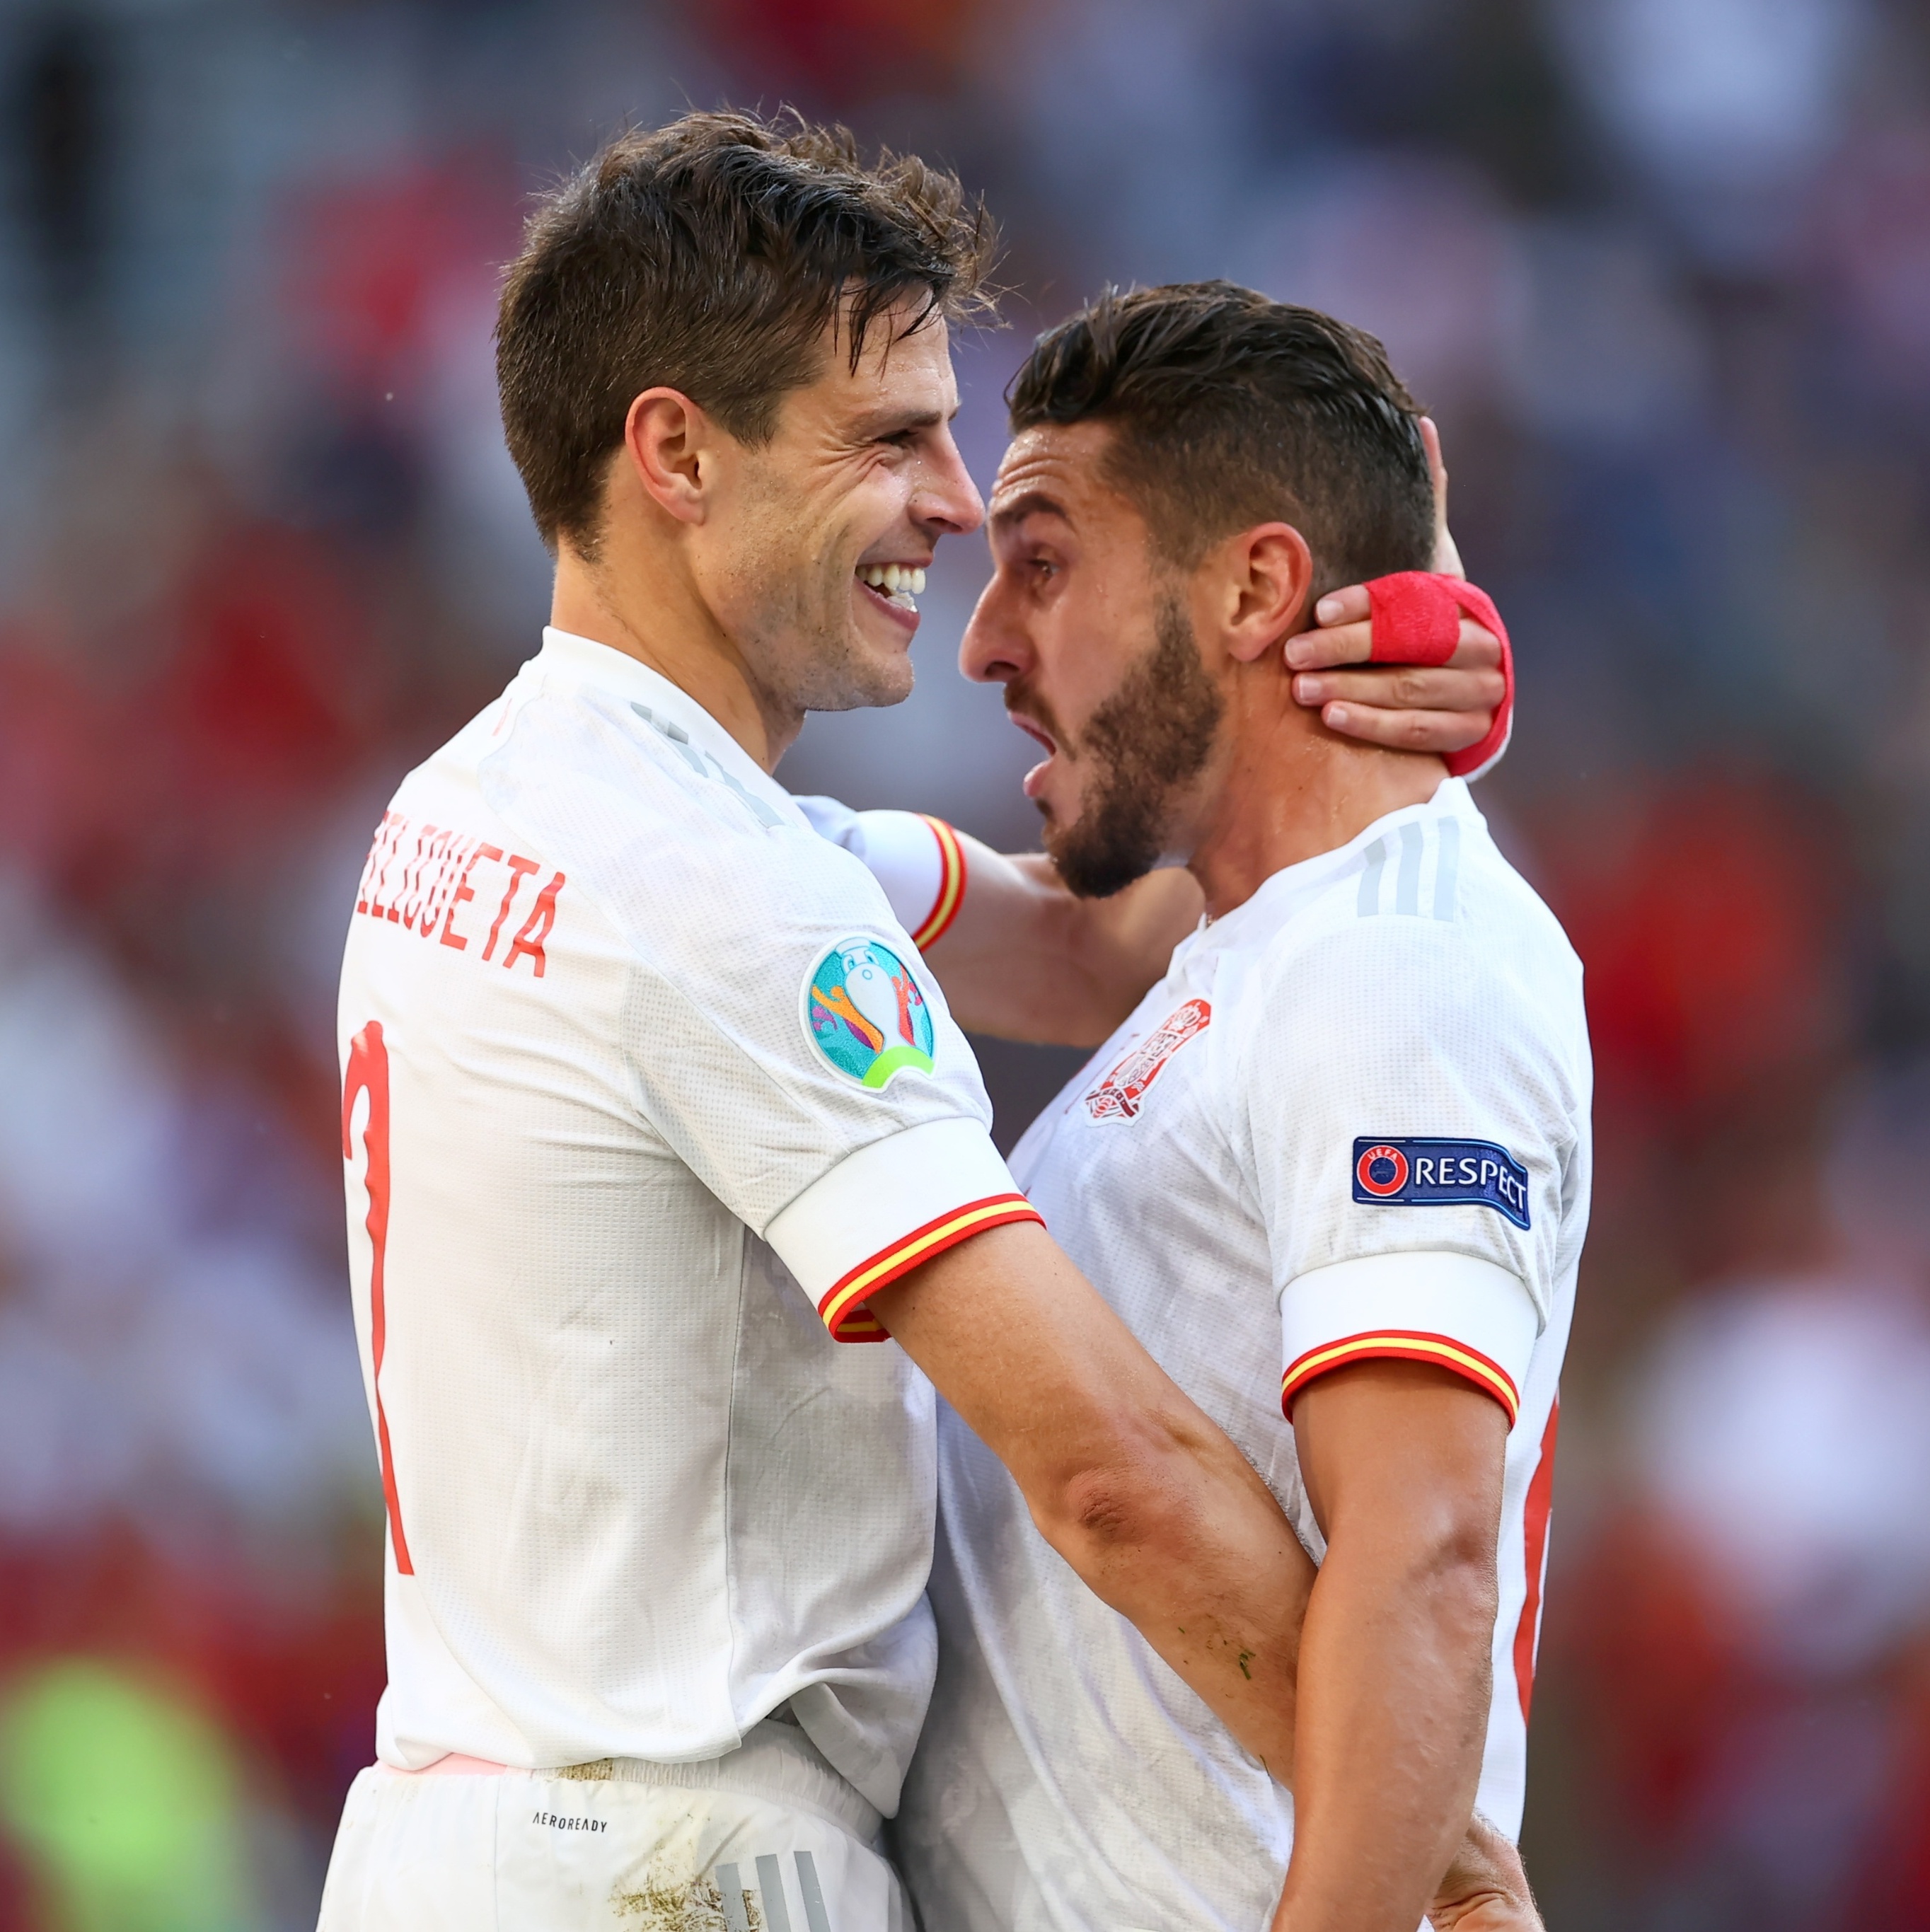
(1042,737)
(895,585)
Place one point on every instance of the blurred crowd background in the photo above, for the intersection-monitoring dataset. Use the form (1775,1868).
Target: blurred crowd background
(1661,267)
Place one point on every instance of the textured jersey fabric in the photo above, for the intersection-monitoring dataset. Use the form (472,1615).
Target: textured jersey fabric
(608,1006)
(1213,1170)
(764,1837)
(917,859)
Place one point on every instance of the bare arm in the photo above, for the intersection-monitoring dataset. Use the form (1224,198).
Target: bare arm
(1159,1513)
(1025,960)
(1403,1463)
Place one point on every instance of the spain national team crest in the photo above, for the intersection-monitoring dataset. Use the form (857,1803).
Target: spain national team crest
(1119,1096)
(863,1012)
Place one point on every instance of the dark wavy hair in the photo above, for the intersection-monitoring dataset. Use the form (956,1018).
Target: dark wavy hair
(710,256)
(1230,409)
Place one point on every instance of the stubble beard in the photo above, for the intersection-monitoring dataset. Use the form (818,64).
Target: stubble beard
(803,630)
(1147,742)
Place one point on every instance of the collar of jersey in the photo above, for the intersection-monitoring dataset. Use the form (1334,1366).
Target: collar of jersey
(1293,887)
(583,660)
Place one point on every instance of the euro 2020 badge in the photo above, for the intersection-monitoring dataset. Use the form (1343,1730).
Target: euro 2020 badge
(863,1012)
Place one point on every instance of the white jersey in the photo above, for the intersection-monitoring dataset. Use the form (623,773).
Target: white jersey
(1351,1121)
(642,1079)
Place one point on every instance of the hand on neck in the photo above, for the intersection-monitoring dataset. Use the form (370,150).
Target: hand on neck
(1282,787)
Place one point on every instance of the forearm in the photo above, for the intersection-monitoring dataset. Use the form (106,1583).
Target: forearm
(1025,960)
(1395,1673)
(1186,1542)
(1165,1520)
(1154,1508)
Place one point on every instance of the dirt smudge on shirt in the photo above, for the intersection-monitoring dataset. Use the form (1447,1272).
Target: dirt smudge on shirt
(662,1904)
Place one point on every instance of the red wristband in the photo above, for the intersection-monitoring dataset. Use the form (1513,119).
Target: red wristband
(1417,620)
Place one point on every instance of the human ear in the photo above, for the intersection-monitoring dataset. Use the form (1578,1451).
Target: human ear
(1270,578)
(668,442)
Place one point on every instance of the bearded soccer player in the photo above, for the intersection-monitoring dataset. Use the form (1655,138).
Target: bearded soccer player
(1350,1124)
(651,1106)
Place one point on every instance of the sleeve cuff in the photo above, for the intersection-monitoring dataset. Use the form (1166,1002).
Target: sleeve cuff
(889,1208)
(920,864)
(1462,1314)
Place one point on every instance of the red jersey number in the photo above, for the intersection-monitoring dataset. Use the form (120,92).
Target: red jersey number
(1535,1557)
(368,1073)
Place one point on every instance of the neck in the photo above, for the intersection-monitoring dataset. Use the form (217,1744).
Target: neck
(648,608)
(1288,789)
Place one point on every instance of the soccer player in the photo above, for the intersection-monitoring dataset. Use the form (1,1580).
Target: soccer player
(1350,1124)
(650,1106)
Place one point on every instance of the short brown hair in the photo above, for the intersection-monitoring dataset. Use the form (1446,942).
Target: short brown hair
(709,255)
(1232,410)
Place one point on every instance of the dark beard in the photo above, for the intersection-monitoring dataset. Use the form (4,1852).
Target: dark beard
(1151,738)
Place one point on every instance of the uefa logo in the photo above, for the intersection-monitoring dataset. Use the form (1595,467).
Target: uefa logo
(1382,1170)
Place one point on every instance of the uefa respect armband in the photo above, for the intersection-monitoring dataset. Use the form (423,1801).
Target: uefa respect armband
(1425,1173)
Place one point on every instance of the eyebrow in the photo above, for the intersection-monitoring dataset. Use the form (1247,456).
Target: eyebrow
(1032,503)
(892,422)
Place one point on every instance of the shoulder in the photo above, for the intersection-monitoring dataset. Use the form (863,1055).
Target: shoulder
(1432,895)
(1432,951)
(591,757)
(682,858)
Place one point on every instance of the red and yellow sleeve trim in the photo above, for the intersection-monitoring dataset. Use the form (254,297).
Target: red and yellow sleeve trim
(1408,1345)
(951,885)
(843,1307)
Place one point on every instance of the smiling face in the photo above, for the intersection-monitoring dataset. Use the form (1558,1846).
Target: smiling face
(815,561)
(1094,640)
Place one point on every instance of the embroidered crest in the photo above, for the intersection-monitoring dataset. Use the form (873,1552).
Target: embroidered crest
(863,1012)
(1119,1097)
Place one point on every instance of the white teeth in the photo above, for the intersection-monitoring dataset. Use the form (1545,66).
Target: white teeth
(894,579)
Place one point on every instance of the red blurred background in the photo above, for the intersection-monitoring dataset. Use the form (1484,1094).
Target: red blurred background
(1661,267)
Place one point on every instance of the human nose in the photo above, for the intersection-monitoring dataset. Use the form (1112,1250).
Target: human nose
(993,649)
(948,502)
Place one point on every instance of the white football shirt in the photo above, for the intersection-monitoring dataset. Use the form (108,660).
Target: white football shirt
(642,1079)
(1352,1120)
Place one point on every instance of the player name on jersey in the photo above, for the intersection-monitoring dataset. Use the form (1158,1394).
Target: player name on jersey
(420,876)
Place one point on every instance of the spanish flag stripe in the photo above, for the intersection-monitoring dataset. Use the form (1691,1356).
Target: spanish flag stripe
(1406,1345)
(951,885)
(842,1306)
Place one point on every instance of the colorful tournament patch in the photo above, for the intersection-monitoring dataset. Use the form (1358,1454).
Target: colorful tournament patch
(863,1012)
(1440,1174)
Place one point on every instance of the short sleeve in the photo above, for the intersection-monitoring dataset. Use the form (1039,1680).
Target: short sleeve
(919,861)
(779,1029)
(1413,1103)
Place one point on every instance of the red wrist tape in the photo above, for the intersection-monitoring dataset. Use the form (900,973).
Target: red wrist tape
(1417,620)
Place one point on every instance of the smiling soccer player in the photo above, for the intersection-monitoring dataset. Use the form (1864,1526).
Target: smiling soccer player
(651,1104)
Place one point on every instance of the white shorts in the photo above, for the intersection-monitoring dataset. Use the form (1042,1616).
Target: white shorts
(765,1841)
